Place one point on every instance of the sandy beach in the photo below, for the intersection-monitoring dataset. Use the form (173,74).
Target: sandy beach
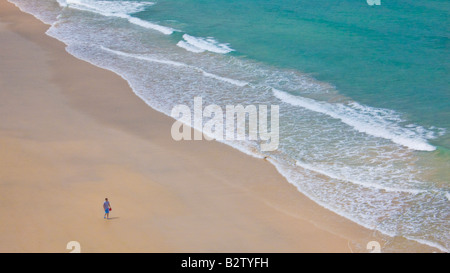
(72,134)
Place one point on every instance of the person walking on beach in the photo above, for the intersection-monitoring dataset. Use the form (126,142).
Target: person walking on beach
(107,208)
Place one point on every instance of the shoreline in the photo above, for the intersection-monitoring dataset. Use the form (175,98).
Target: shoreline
(75,133)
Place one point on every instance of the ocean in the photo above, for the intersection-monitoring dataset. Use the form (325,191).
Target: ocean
(363,90)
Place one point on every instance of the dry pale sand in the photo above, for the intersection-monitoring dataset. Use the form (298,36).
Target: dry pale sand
(72,134)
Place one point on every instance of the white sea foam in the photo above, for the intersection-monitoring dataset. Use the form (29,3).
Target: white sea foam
(290,176)
(197,45)
(62,3)
(43,10)
(178,64)
(146,24)
(372,121)
(340,177)
(380,118)
(189,47)
(429,243)
(120,9)
(145,58)
(106,7)
(224,79)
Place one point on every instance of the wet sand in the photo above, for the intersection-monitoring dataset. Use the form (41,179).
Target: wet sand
(72,134)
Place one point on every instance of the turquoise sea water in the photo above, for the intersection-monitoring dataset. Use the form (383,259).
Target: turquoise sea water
(393,56)
(364,91)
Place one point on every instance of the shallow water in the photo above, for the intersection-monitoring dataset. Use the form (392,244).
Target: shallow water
(363,91)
